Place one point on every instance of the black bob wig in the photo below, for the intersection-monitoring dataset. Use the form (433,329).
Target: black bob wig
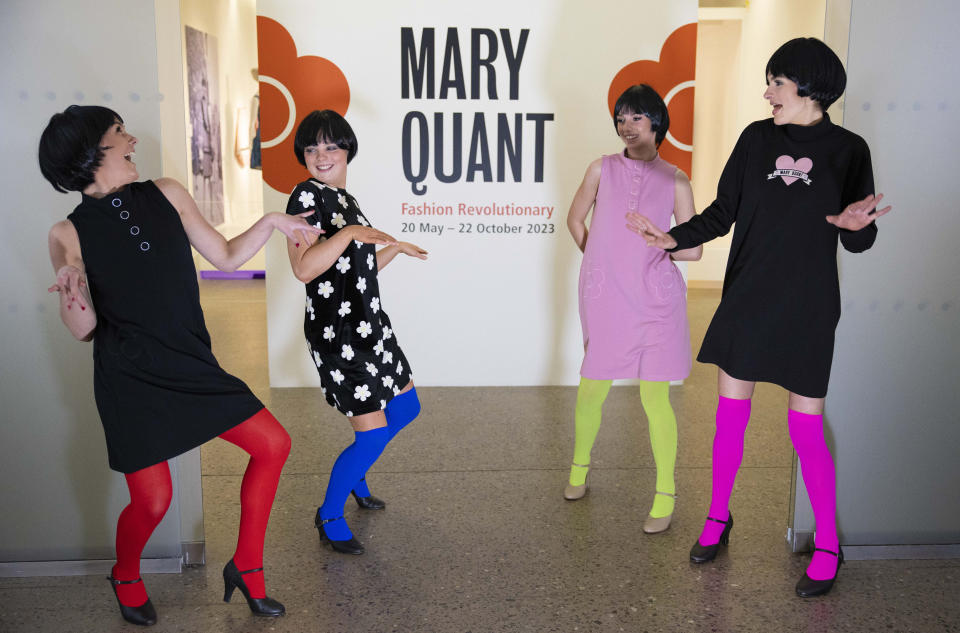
(324,126)
(642,99)
(813,66)
(70,149)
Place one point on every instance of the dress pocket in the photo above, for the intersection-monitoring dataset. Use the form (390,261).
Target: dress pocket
(591,282)
(666,280)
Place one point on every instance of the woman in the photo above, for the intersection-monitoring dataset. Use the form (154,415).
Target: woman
(794,185)
(633,305)
(363,371)
(126,279)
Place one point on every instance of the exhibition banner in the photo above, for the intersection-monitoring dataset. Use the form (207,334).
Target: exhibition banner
(475,123)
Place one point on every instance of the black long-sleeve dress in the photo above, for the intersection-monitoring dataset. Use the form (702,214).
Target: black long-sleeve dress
(781,292)
(159,389)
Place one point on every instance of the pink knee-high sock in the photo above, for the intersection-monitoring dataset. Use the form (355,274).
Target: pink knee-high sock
(732,418)
(820,478)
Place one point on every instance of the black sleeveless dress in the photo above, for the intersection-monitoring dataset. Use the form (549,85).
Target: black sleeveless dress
(159,390)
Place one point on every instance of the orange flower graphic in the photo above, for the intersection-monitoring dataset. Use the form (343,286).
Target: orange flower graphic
(290,88)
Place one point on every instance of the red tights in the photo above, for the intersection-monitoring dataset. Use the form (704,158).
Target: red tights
(150,492)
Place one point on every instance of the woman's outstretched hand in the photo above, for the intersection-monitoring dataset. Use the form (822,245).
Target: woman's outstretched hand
(370,235)
(412,250)
(289,225)
(70,282)
(859,214)
(649,231)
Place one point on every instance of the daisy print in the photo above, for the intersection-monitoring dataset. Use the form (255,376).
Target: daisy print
(387,381)
(364,329)
(387,358)
(338,221)
(316,359)
(310,308)
(370,261)
(343,264)
(342,200)
(396,390)
(344,308)
(361,393)
(383,404)
(372,369)
(378,348)
(306,199)
(362,284)
(325,290)
(337,377)
(375,304)
(349,414)
(387,333)
(347,352)
(362,220)
(399,368)
(358,243)
(328,333)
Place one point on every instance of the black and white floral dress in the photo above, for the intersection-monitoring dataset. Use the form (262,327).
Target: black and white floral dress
(348,334)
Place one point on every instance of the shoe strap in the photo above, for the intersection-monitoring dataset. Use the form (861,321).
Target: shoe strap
(251,571)
(325,521)
(123,582)
(581,465)
(825,551)
(717,520)
(667,494)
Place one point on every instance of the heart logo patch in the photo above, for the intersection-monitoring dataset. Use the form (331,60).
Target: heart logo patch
(792,170)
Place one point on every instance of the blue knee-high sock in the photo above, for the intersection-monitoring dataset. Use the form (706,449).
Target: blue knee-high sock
(400,411)
(347,470)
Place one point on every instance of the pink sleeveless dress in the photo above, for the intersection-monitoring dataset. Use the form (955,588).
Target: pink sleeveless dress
(633,307)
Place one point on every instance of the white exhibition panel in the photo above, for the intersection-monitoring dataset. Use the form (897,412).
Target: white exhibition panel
(495,303)
(893,400)
(60,499)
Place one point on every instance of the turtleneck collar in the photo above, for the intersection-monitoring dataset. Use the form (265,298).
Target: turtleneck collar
(807,132)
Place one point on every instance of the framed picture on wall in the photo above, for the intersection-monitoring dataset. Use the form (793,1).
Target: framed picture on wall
(206,159)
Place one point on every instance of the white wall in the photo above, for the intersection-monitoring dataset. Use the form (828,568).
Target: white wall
(60,499)
(893,401)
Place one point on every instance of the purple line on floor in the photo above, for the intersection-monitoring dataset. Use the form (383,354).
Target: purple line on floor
(239,274)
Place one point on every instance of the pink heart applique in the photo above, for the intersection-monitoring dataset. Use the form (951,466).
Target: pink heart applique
(801,164)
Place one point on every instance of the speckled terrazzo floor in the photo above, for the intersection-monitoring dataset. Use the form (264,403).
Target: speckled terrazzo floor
(476,537)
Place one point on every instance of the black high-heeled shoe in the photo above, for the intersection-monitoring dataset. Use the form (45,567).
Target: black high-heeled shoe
(807,587)
(352,546)
(369,502)
(144,615)
(233,579)
(705,553)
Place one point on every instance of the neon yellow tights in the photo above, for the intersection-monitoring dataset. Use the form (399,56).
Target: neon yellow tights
(655,397)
